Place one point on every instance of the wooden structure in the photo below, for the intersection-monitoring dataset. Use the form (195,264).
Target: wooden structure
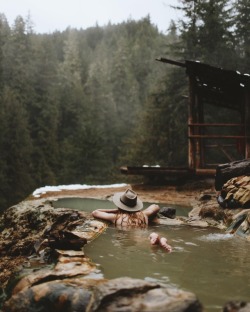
(225,172)
(225,94)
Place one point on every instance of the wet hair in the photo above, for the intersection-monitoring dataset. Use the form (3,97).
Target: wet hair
(131,219)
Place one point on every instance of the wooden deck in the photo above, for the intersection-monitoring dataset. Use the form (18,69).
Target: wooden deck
(173,172)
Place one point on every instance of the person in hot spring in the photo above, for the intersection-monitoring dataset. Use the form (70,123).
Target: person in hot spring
(155,239)
(129,214)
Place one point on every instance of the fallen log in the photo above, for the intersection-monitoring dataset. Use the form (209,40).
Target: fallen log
(225,172)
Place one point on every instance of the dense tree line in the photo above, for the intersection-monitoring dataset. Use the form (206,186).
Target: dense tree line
(69,99)
(76,105)
(216,32)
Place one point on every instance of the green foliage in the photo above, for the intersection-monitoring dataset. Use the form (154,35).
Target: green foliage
(16,171)
(242,33)
(207,33)
(161,138)
(76,105)
(68,100)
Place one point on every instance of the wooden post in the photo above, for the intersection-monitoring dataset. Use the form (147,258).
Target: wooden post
(225,172)
(200,152)
(197,131)
(194,131)
(191,119)
(247,123)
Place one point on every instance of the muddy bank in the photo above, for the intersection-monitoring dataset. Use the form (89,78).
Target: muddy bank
(199,195)
(184,195)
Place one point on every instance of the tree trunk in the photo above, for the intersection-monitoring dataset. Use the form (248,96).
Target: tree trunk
(225,172)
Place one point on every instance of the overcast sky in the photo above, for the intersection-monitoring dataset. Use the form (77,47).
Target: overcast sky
(51,15)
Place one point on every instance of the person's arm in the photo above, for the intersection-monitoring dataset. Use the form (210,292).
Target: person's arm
(105,214)
(152,210)
(107,210)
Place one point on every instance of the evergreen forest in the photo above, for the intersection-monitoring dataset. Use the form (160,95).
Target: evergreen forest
(78,104)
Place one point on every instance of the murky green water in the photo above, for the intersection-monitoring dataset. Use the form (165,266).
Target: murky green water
(90,204)
(207,262)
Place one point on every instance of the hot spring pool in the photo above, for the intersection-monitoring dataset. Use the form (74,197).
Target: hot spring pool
(207,262)
(90,204)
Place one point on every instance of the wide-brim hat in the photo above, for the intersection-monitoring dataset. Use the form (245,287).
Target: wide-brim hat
(128,201)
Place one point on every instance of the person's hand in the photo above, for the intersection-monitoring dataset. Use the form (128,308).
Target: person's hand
(154,238)
(163,243)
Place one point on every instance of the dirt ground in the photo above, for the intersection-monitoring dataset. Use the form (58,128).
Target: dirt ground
(184,195)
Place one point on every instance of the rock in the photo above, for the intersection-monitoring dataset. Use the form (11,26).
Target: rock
(65,296)
(240,224)
(206,197)
(75,266)
(235,193)
(35,226)
(169,212)
(212,211)
(198,223)
(236,306)
(244,229)
(121,294)
(225,172)
(167,221)
(90,229)
(132,295)
(70,253)
(236,223)
(207,213)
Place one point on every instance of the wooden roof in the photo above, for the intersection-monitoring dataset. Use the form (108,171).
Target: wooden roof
(221,87)
(215,86)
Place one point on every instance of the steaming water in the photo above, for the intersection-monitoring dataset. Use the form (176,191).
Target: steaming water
(207,262)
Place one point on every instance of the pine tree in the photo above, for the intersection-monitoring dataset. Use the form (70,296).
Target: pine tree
(16,148)
(44,111)
(4,36)
(216,40)
(72,107)
(189,49)
(242,32)
(80,95)
(160,138)
(206,32)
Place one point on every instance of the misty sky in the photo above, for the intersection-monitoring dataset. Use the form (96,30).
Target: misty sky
(51,15)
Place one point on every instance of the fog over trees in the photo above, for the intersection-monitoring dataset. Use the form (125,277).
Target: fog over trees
(76,105)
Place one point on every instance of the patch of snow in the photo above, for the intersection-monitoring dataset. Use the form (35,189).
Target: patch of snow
(45,189)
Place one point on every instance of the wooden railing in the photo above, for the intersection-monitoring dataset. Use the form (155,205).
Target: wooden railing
(197,140)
